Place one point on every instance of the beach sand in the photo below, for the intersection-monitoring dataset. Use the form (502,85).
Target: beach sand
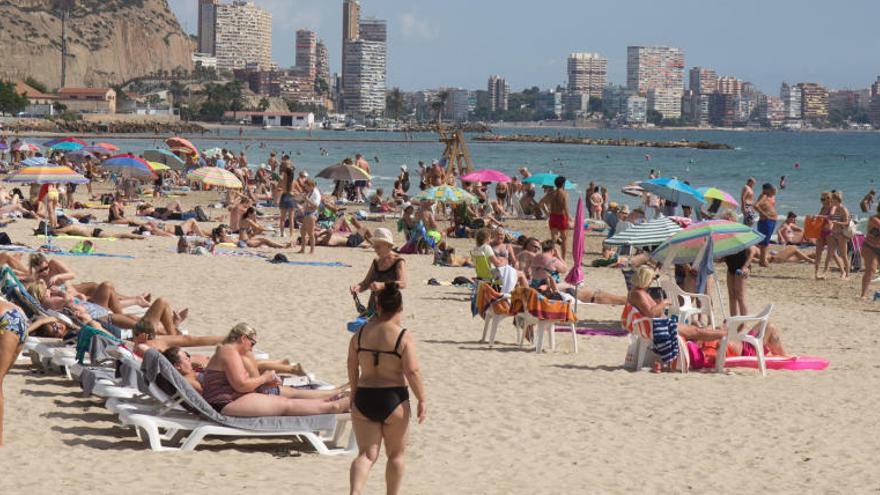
(501,420)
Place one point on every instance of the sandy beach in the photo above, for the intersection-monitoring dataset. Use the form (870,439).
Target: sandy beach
(501,420)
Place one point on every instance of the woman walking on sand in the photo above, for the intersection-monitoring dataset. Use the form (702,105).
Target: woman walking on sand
(381,362)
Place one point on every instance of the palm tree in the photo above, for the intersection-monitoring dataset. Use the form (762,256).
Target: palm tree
(264,104)
(394,103)
(439,104)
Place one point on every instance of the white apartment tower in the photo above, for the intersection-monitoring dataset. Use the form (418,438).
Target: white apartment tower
(364,67)
(791,97)
(650,67)
(243,36)
(587,74)
(499,92)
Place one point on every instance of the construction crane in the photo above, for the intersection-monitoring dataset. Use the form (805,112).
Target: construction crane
(456,154)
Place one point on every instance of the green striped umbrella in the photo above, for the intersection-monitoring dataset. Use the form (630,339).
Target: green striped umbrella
(728,238)
(446,194)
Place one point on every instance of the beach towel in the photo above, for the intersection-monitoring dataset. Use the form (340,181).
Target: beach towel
(629,319)
(97,255)
(485,296)
(598,332)
(317,263)
(84,341)
(78,238)
(665,338)
(508,277)
(542,308)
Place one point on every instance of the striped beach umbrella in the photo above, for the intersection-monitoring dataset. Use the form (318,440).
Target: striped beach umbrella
(215,176)
(46,174)
(129,165)
(673,190)
(182,145)
(446,194)
(651,233)
(713,193)
(727,237)
(53,143)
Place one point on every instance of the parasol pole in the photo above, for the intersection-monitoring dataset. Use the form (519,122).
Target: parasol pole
(704,251)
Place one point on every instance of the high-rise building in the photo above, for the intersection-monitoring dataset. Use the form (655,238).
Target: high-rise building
(207,26)
(729,85)
(614,99)
(703,81)
(322,62)
(667,101)
(874,110)
(650,67)
(771,111)
(636,110)
(695,107)
(243,36)
(364,65)
(307,53)
(814,102)
(587,74)
(791,101)
(499,92)
(459,103)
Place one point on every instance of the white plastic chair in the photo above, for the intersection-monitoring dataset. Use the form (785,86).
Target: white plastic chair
(685,304)
(493,319)
(525,319)
(639,344)
(739,328)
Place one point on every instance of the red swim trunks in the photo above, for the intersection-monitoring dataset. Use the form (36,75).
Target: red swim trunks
(558,222)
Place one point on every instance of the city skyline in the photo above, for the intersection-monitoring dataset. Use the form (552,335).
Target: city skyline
(756,42)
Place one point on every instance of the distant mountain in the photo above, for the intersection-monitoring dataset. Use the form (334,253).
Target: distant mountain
(109,41)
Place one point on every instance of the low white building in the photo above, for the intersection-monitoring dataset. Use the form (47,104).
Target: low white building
(300,120)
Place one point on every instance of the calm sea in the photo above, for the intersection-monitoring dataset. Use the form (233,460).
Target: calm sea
(849,162)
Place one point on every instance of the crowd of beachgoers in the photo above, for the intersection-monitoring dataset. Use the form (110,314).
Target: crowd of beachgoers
(276,208)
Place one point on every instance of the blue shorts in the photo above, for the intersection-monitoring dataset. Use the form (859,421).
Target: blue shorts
(286,202)
(767,228)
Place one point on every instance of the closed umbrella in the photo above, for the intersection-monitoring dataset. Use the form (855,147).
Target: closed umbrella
(47,174)
(342,171)
(129,165)
(487,175)
(674,190)
(652,233)
(546,180)
(576,275)
(164,156)
(446,194)
(215,176)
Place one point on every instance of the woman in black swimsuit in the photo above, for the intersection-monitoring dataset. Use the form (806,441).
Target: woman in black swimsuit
(871,252)
(381,361)
(387,267)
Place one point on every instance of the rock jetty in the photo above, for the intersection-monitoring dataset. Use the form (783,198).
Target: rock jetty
(639,143)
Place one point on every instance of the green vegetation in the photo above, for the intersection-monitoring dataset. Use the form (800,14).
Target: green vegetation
(394,104)
(10,101)
(220,98)
(319,110)
(30,81)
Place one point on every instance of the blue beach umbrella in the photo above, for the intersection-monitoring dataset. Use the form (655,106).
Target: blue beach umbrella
(67,146)
(546,179)
(674,190)
(35,161)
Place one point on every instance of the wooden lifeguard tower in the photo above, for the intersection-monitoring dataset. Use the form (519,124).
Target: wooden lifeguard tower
(457,155)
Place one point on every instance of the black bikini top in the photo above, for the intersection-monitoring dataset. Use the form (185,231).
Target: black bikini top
(377,352)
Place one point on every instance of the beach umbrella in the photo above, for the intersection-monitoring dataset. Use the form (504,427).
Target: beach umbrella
(652,233)
(53,143)
(80,154)
(164,156)
(340,171)
(446,194)
(212,153)
(487,175)
(674,190)
(66,146)
(546,179)
(215,176)
(182,145)
(35,161)
(576,275)
(25,147)
(47,174)
(158,167)
(728,238)
(112,147)
(633,190)
(129,165)
(713,193)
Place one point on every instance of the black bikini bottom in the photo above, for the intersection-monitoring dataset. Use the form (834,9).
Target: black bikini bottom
(378,403)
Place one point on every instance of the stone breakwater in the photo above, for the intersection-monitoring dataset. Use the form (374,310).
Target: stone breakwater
(638,143)
(86,127)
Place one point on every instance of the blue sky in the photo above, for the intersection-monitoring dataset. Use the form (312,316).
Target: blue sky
(462,42)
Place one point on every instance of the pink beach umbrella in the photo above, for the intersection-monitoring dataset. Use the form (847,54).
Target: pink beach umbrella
(576,275)
(487,175)
(25,147)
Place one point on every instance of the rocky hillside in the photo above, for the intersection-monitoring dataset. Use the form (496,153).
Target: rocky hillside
(109,41)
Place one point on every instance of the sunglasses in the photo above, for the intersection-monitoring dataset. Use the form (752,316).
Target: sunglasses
(252,340)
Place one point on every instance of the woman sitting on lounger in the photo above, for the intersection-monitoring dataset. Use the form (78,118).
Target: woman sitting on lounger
(14,330)
(191,366)
(231,384)
(381,362)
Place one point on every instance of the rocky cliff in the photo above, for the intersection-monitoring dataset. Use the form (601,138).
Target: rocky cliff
(109,41)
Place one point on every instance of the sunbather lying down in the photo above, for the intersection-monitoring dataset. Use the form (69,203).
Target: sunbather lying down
(80,231)
(235,387)
(791,254)
(592,296)
(344,233)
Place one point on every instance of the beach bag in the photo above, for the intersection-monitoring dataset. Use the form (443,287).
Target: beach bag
(4,239)
(813,227)
(850,230)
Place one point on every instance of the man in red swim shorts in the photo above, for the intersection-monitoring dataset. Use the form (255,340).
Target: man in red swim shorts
(556,202)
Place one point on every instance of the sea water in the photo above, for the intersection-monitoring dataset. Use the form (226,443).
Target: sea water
(811,162)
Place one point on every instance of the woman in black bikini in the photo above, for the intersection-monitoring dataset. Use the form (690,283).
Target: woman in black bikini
(381,361)
(871,252)
(387,267)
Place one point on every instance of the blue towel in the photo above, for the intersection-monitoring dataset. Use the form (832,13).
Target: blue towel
(316,263)
(665,334)
(98,255)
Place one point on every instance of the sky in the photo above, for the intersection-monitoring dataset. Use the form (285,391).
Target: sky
(460,43)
